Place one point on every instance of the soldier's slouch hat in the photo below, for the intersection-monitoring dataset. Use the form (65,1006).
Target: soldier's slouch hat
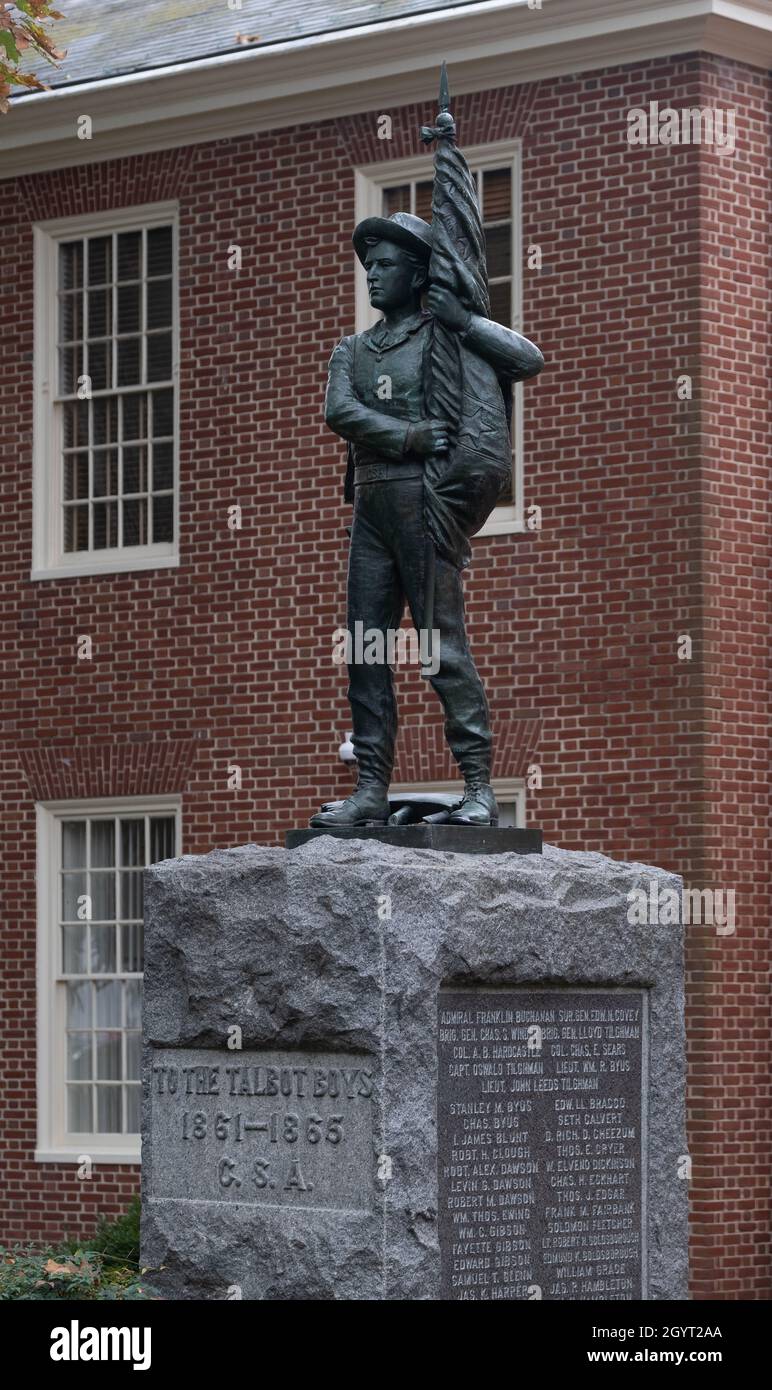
(402,228)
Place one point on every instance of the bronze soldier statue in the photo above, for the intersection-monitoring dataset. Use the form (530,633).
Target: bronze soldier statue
(421,398)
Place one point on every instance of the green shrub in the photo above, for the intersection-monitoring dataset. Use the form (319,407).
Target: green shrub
(30,1273)
(119,1239)
(107,1268)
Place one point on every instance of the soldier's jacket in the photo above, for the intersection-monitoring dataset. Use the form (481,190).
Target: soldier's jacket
(375,390)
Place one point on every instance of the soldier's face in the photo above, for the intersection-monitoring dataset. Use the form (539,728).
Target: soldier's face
(392,279)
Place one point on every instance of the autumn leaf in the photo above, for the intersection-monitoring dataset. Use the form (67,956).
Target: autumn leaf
(27,79)
(21,29)
(11,47)
(51,1267)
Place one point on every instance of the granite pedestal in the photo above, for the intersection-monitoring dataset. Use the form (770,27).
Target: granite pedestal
(374,1072)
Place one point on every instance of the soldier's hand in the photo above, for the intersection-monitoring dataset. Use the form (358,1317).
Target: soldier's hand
(447,307)
(430,437)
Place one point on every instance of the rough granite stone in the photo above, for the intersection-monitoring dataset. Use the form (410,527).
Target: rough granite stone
(291,947)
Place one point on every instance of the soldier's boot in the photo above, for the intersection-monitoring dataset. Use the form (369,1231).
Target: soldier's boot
(368,805)
(479,804)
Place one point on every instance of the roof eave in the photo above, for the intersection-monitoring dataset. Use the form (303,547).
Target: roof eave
(376,67)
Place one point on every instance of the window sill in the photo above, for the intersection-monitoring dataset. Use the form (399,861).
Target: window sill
(98,1156)
(124,565)
(505,524)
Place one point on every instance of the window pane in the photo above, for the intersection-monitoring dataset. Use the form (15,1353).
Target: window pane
(396,199)
(105,475)
(134,1056)
(498,250)
(133,1109)
(133,843)
(70,368)
(73,889)
(129,255)
(133,943)
(423,200)
(129,308)
(79,1056)
(163,466)
(134,469)
(131,895)
(79,1005)
(100,313)
(74,949)
(105,420)
(100,250)
(79,1111)
(163,414)
(75,476)
(108,1056)
(70,264)
(107,994)
(501,301)
(159,251)
(108,1109)
(70,317)
(75,528)
(497,195)
(163,519)
(73,844)
(75,424)
(159,357)
(159,303)
(135,416)
(102,950)
(105,525)
(129,360)
(133,995)
(103,896)
(102,843)
(100,365)
(135,523)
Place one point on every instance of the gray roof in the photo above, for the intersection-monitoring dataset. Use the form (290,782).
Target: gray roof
(106,38)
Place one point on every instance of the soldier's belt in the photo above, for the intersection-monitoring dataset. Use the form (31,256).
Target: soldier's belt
(386,472)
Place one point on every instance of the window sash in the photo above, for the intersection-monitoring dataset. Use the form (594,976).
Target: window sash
(105,1043)
(104,1030)
(51,507)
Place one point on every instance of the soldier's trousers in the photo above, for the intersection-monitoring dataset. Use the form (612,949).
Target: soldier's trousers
(387,563)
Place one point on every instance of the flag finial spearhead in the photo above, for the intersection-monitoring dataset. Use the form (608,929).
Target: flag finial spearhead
(445,127)
(444,101)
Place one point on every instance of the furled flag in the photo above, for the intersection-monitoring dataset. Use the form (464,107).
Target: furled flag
(457,497)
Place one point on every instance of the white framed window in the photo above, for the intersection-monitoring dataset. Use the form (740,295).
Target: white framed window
(509,793)
(405,185)
(105,425)
(91,857)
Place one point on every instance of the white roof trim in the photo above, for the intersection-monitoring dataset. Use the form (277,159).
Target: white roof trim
(376,67)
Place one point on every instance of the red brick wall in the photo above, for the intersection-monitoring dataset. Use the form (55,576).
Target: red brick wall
(731,1137)
(653,512)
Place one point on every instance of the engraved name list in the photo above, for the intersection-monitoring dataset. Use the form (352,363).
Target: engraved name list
(541,1136)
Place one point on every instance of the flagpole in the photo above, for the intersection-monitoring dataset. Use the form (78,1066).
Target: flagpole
(455,219)
(444,123)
